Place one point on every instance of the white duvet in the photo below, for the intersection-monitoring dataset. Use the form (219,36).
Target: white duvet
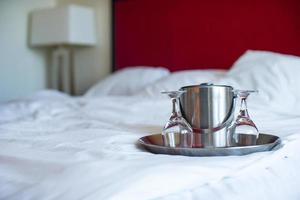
(56,147)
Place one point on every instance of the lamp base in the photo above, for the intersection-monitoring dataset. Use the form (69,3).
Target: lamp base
(62,71)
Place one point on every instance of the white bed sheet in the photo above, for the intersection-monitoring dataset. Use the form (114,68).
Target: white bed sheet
(80,148)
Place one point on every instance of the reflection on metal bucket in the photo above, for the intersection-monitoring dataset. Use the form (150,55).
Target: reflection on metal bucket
(209,109)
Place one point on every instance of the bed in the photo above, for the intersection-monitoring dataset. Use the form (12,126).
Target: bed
(54,146)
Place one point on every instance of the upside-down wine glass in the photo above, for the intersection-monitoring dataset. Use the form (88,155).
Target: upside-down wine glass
(244,130)
(177,132)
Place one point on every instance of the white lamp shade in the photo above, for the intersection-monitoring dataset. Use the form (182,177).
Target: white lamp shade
(65,25)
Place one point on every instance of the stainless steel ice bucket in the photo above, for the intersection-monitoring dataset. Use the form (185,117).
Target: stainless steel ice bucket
(210,110)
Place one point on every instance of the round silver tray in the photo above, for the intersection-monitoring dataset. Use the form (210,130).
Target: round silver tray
(154,144)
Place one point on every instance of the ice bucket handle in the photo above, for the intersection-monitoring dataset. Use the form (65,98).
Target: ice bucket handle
(227,123)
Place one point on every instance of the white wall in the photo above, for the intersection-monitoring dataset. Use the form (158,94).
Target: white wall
(93,64)
(22,69)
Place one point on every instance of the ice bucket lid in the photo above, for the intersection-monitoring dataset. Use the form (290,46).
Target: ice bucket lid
(205,85)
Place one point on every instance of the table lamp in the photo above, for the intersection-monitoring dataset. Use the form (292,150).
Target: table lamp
(63,28)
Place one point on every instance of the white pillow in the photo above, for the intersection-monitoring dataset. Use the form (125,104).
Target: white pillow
(276,76)
(179,79)
(127,81)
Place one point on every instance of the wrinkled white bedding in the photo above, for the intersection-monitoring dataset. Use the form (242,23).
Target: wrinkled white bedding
(53,146)
(80,148)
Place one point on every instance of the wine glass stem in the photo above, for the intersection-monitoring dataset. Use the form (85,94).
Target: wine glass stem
(175,108)
(243,109)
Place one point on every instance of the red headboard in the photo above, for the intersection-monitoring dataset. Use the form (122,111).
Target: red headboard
(195,34)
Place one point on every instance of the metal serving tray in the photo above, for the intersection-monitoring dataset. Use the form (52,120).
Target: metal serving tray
(154,144)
